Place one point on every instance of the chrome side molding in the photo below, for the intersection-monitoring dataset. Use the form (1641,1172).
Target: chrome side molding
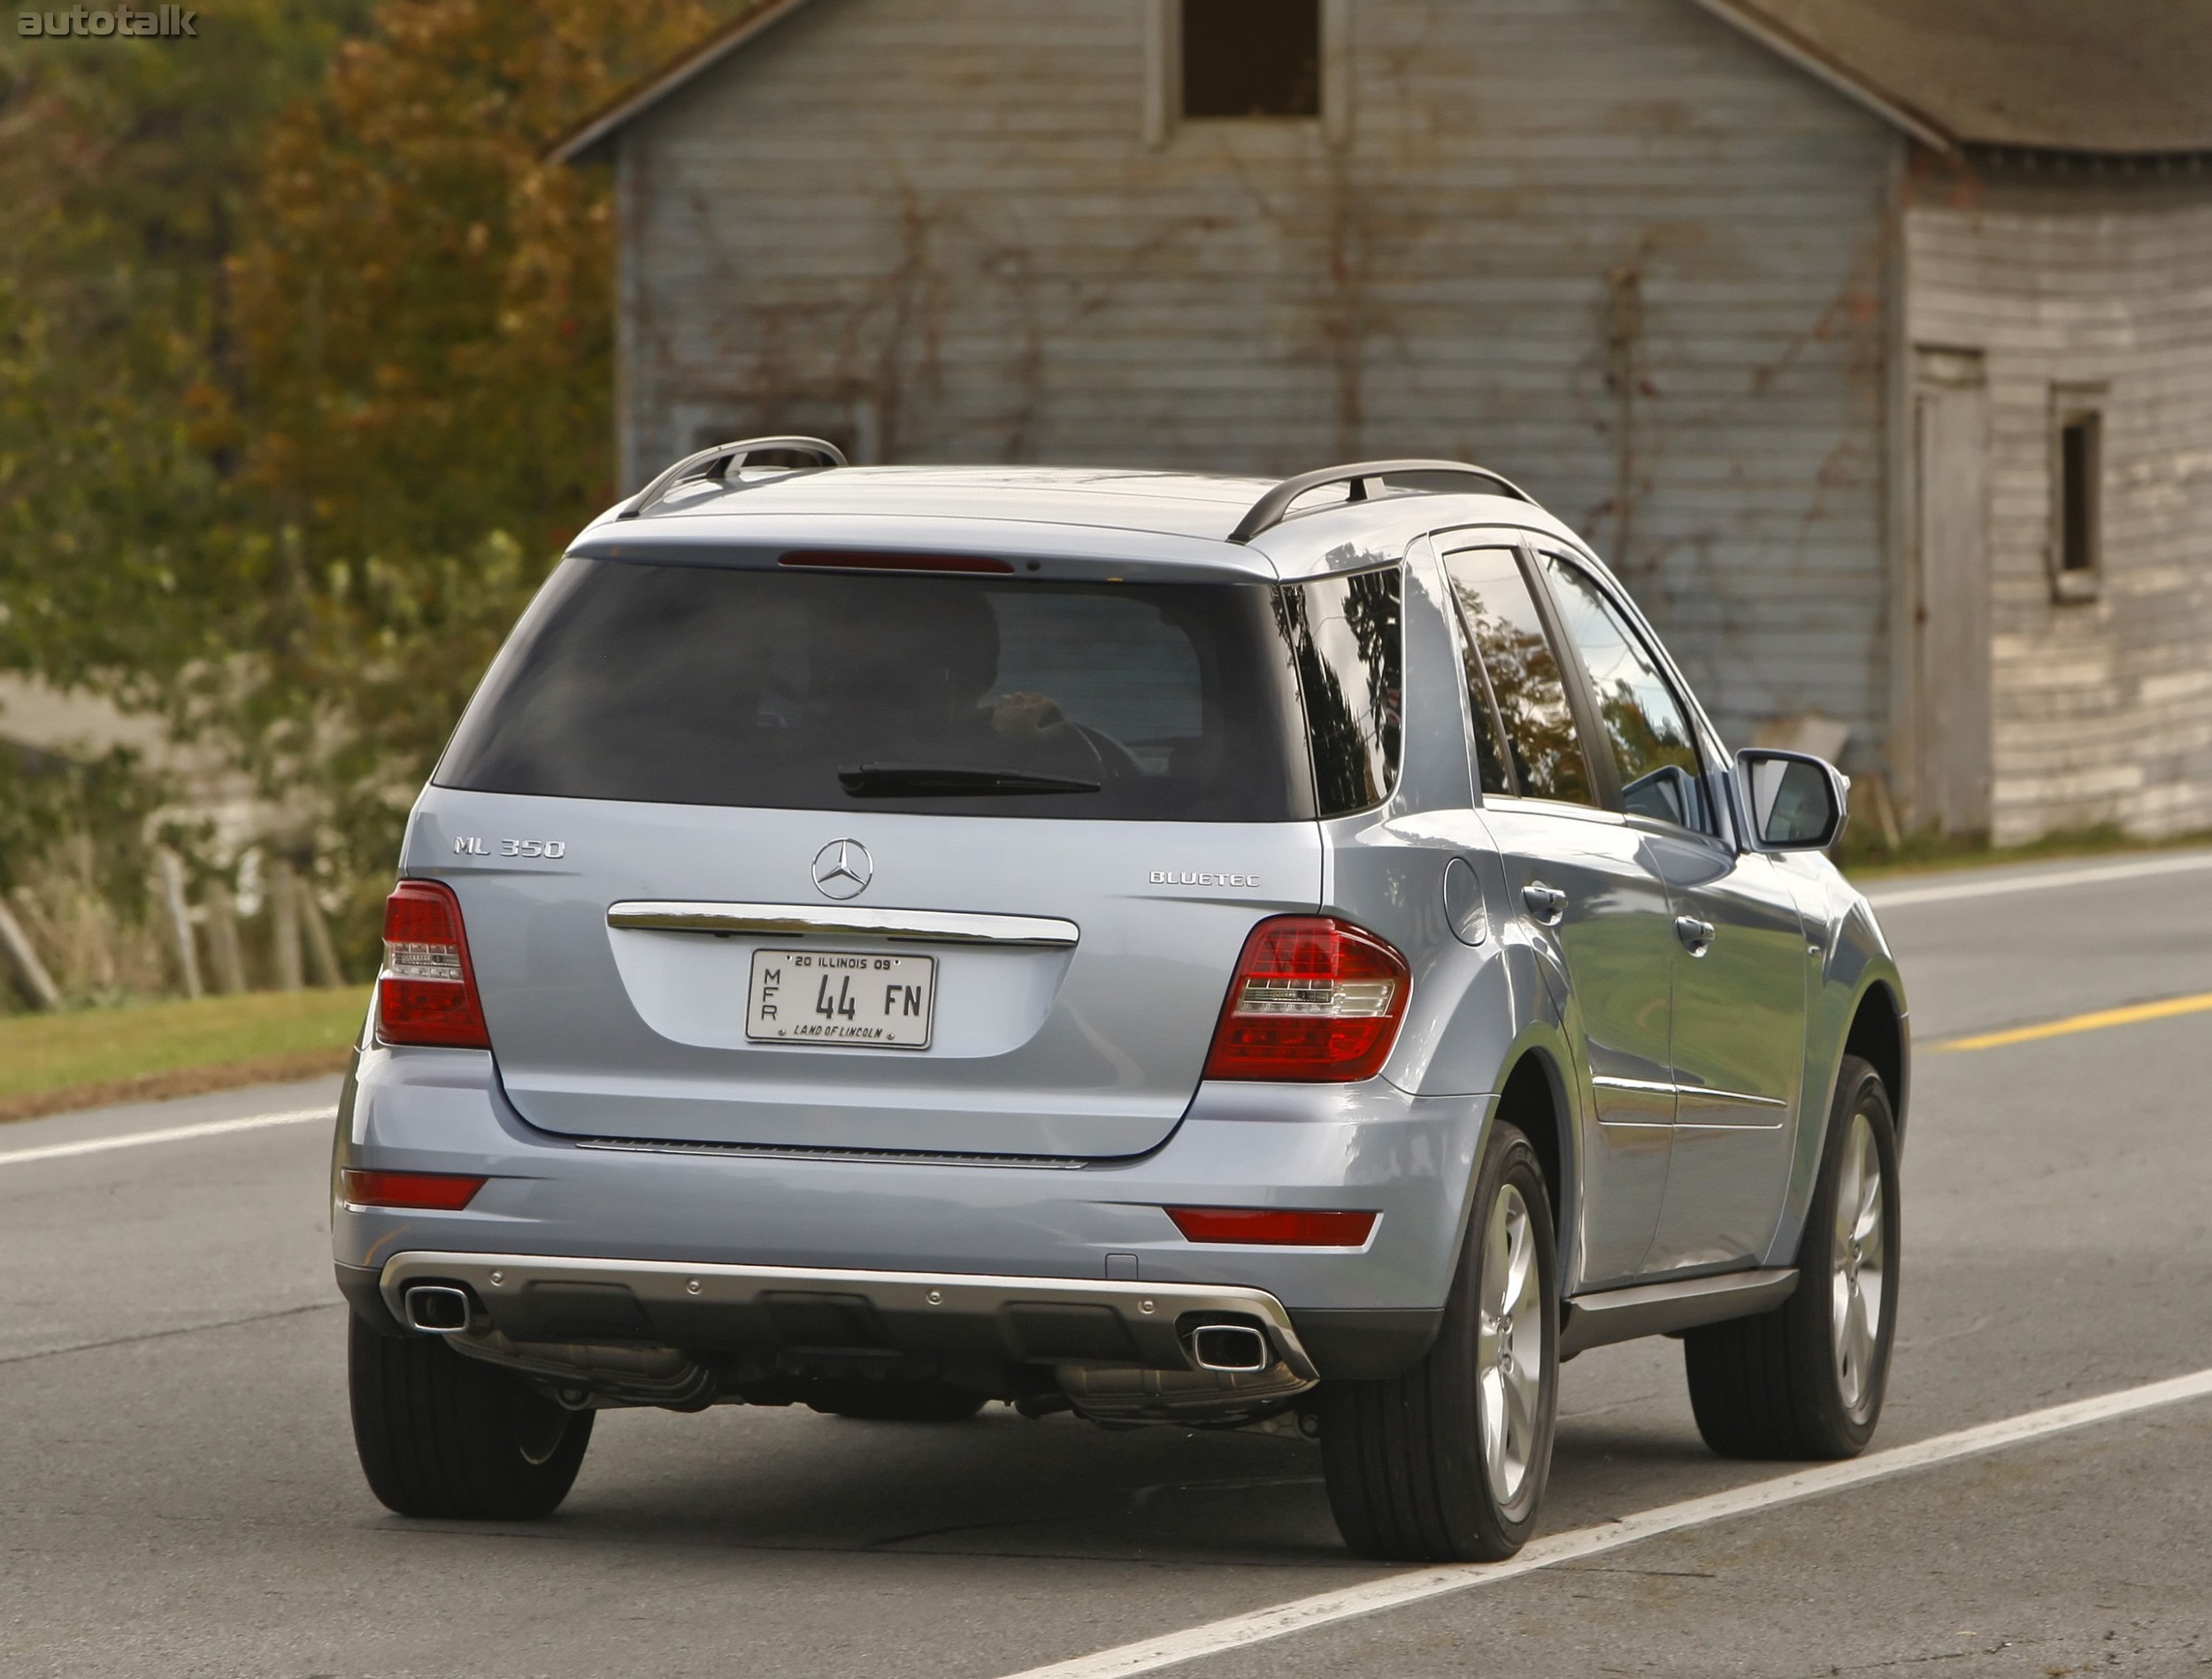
(1661,1308)
(787,921)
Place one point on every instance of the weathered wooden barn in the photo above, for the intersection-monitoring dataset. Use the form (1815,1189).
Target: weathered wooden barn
(1870,339)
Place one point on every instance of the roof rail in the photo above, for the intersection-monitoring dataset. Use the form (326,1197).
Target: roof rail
(716,463)
(1271,509)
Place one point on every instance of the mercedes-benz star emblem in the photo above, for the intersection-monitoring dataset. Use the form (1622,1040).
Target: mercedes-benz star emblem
(842,868)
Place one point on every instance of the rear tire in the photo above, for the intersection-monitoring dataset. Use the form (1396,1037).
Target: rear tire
(1448,1462)
(441,1435)
(1807,1380)
(897,1402)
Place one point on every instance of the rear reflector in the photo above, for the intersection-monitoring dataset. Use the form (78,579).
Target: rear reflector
(1273,1226)
(1314,999)
(426,993)
(432,1191)
(856,560)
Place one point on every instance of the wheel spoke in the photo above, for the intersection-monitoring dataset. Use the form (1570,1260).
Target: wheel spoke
(1871,1299)
(1496,1256)
(1520,1430)
(1521,1267)
(1510,1343)
(1492,1409)
(1849,1193)
(1867,1225)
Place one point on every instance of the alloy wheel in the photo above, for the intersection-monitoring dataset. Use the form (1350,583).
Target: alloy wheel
(1509,1350)
(1858,1267)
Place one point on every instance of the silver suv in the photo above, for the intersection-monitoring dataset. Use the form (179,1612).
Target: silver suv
(1178,949)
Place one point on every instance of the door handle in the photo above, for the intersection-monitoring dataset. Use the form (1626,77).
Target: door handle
(1547,904)
(1696,936)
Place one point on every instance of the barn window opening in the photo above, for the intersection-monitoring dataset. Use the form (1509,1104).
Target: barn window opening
(2078,449)
(2077,510)
(1251,58)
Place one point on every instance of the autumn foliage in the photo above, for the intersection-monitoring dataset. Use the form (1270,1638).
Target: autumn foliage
(294,482)
(424,317)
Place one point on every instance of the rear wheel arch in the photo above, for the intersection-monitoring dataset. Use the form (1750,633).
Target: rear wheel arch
(1533,1100)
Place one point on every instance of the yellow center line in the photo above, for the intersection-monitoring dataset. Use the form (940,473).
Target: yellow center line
(2097,1021)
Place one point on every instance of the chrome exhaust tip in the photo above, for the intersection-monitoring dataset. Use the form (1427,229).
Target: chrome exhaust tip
(1235,1349)
(438,1308)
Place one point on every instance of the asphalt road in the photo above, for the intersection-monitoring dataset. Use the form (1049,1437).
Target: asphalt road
(177,1494)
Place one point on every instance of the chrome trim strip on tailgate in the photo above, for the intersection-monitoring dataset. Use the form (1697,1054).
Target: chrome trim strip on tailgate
(784,920)
(1149,1310)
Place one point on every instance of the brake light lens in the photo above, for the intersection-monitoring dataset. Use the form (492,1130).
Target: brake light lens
(856,560)
(432,1191)
(1273,1226)
(426,993)
(1314,999)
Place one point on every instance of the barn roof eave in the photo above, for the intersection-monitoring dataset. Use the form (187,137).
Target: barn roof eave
(1808,55)
(2024,75)
(583,142)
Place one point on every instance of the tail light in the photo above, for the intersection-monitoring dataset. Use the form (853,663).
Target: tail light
(437,1191)
(1273,1226)
(1314,999)
(426,993)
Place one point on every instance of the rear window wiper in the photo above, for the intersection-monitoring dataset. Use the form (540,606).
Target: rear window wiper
(935,781)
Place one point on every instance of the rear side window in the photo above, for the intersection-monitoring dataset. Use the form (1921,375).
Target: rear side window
(1345,637)
(684,684)
(1506,635)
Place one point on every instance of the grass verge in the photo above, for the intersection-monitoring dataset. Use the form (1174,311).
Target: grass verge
(86,1058)
(1864,857)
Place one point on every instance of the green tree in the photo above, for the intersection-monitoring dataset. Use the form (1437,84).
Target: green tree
(126,171)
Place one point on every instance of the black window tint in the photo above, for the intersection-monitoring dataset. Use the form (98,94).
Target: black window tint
(1344,639)
(1645,726)
(1502,625)
(684,684)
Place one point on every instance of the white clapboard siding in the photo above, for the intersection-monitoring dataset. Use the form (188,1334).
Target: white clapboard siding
(2103,708)
(935,227)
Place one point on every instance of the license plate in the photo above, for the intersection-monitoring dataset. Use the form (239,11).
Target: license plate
(841,997)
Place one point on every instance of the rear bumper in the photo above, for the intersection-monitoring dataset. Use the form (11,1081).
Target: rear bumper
(767,1308)
(1092,1234)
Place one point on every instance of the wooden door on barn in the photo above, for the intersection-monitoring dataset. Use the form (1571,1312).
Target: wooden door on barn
(1950,583)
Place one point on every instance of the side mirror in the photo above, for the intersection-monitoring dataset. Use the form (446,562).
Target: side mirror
(1791,801)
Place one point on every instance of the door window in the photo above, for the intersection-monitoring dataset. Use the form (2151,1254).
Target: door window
(1647,727)
(1514,681)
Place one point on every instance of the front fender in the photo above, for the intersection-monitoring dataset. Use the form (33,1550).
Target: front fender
(1855,962)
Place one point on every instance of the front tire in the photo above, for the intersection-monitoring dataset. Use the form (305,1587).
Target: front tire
(1448,1462)
(444,1436)
(1807,1380)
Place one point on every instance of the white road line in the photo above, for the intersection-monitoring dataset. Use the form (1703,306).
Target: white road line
(2041,880)
(172,1134)
(1398,1589)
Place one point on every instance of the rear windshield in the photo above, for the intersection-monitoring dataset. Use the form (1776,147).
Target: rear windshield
(686,684)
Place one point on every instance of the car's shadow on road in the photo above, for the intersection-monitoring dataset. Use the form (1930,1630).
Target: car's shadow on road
(790,1480)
